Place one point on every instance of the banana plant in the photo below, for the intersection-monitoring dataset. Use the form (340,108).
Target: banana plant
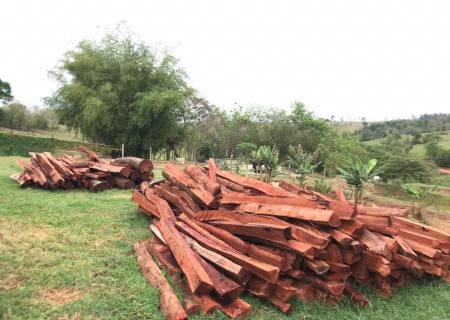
(358,174)
(301,162)
(268,157)
(418,195)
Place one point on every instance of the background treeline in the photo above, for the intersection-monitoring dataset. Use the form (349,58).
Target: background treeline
(424,124)
(121,91)
(19,117)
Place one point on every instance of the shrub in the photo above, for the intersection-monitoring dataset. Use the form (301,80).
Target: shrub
(407,169)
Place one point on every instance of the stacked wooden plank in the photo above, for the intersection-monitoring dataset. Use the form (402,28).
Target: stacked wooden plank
(219,235)
(49,172)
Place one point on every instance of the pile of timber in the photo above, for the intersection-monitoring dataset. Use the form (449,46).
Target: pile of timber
(96,174)
(218,235)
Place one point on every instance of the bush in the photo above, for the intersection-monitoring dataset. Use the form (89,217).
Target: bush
(320,185)
(406,168)
(439,155)
(432,137)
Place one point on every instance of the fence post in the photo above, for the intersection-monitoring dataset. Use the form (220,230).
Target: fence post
(150,154)
(123,150)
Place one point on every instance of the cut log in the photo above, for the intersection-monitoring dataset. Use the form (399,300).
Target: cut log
(269,232)
(356,296)
(284,307)
(419,238)
(284,290)
(227,237)
(196,276)
(238,309)
(225,290)
(264,270)
(89,153)
(318,266)
(122,183)
(257,252)
(234,270)
(197,174)
(340,195)
(105,167)
(381,211)
(424,250)
(377,264)
(138,164)
(170,305)
(163,192)
(177,177)
(375,244)
(314,215)
(98,185)
(226,184)
(48,168)
(342,238)
(212,169)
(404,248)
(260,287)
(146,205)
(242,198)
(353,228)
(260,186)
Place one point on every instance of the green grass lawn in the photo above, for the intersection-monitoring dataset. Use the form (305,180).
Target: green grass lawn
(68,255)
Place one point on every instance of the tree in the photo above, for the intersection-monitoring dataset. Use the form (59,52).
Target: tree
(245,150)
(418,195)
(406,168)
(336,149)
(5,91)
(268,157)
(119,91)
(16,116)
(301,162)
(357,174)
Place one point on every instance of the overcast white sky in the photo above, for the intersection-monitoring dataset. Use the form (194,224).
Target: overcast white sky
(350,59)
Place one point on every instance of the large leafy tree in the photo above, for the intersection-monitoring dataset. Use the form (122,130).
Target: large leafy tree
(5,91)
(118,90)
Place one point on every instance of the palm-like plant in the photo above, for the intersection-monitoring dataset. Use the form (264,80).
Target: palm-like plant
(357,174)
(268,157)
(301,162)
(418,195)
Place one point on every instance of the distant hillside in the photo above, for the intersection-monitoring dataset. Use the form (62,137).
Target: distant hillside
(61,133)
(424,124)
(21,145)
(347,126)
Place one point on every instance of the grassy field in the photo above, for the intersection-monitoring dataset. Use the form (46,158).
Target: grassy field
(68,255)
(419,149)
(61,133)
(347,126)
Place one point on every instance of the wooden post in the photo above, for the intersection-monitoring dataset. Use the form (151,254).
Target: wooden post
(123,150)
(150,154)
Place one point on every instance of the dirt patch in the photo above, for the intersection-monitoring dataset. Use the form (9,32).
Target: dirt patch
(23,234)
(437,220)
(98,242)
(122,196)
(12,281)
(433,218)
(61,296)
